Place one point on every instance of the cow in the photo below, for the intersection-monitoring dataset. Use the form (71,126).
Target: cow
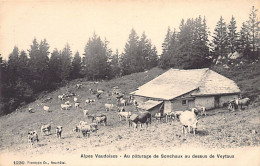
(30,110)
(32,137)
(241,102)
(85,129)
(46,128)
(78,86)
(126,115)
(76,105)
(67,102)
(158,116)
(75,99)
(188,120)
(122,102)
(65,106)
(46,108)
(109,107)
(61,97)
(170,115)
(142,118)
(101,119)
(85,113)
(59,130)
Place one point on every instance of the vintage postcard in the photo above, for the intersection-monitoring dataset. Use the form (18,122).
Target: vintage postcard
(127,82)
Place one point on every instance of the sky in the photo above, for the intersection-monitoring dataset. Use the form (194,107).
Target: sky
(75,21)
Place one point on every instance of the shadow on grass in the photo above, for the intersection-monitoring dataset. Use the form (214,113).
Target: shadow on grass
(202,132)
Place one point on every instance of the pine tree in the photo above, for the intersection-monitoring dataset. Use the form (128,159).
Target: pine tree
(253,26)
(130,55)
(165,58)
(96,58)
(76,66)
(23,66)
(38,64)
(185,44)
(147,54)
(65,63)
(244,43)
(115,64)
(220,39)
(13,65)
(232,35)
(55,66)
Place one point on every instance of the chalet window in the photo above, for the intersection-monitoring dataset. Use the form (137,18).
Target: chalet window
(184,102)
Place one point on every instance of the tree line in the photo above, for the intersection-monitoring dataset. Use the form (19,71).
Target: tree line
(26,74)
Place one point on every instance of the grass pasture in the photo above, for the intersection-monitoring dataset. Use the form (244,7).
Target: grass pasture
(219,129)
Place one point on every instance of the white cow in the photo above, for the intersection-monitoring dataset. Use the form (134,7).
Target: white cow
(61,97)
(85,113)
(76,105)
(188,120)
(109,107)
(65,106)
(46,108)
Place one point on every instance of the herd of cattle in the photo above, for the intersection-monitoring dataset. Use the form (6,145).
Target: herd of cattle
(188,118)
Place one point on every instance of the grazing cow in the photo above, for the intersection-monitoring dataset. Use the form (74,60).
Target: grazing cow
(59,130)
(109,107)
(85,113)
(170,115)
(142,118)
(241,102)
(122,102)
(100,91)
(67,102)
(46,128)
(78,86)
(65,106)
(158,116)
(61,97)
(32,137)
(30,109)
(76,105)
(86,129)
(188,120)
(126,115)
(101,119)
(75,99)
(46,108)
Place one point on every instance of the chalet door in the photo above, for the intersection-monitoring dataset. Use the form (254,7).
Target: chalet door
(216,102)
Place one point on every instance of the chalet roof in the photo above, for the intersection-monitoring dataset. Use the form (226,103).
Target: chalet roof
(149,104)
(175,82)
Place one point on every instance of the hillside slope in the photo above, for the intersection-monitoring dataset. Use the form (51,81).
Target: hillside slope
(247,77)
(219,129)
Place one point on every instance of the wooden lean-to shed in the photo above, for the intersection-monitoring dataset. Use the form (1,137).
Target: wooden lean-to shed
(177,90)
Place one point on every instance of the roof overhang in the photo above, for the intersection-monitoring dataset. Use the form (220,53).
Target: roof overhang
(149,104)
